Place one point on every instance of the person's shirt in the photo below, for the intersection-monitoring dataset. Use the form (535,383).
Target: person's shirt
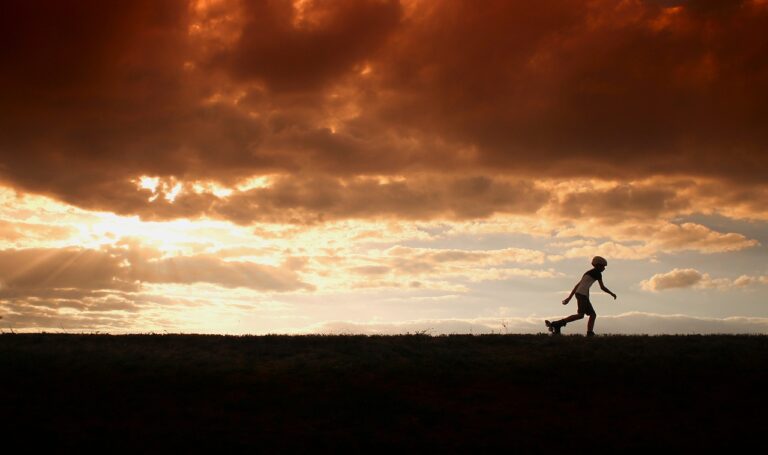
(586,281)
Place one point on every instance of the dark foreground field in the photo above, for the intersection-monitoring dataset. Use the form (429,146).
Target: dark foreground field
(420,393)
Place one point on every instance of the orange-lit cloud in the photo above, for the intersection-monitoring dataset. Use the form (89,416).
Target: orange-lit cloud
(98,96)
(125,267)
(692,278)
(677,278)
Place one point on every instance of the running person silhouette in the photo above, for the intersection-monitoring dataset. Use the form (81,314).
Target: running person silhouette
(581,290)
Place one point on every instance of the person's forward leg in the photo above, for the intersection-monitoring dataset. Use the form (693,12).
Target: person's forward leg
(591,324)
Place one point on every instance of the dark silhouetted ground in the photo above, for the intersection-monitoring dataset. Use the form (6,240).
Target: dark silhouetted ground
(418,393)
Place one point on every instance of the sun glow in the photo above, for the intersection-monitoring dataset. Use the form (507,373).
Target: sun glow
(264,181)
(171,195)
(109,228)
(149,183)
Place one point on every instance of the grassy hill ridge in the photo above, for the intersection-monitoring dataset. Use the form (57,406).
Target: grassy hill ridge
(415,392)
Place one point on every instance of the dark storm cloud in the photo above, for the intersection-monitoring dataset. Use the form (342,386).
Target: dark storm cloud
(301,50)
(308,199)
(324,199)
(93,95)
(608,89)
(623,201)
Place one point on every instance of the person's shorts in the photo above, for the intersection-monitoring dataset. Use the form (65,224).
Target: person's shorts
(585,306)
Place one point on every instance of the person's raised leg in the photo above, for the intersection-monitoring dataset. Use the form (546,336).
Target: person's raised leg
(573,317)
(557,325)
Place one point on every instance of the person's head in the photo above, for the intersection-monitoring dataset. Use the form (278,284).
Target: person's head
(599,263)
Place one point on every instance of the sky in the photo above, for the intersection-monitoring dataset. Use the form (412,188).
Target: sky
(382,166)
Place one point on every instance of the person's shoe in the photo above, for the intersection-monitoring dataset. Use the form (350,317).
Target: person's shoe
(553,327)
(590,334)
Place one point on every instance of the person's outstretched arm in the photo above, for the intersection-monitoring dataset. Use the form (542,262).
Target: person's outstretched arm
(605,289)
(568,299)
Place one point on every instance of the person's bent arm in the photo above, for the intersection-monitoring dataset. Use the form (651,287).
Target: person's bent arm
(605,289)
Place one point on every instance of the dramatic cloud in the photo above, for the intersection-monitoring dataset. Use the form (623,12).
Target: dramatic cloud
(306,45)
(605,89)
(316,200)
(99,95)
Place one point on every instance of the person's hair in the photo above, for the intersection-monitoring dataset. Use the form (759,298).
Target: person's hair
(597,260)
